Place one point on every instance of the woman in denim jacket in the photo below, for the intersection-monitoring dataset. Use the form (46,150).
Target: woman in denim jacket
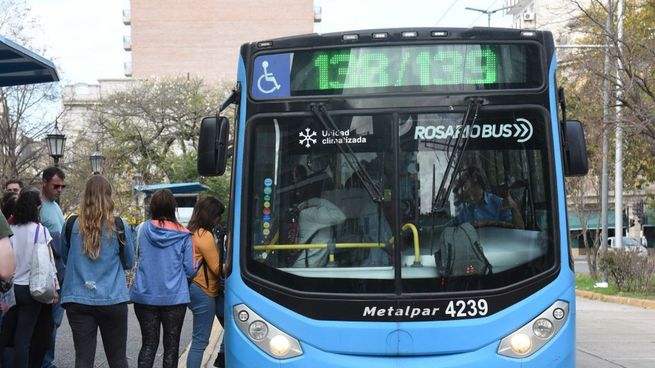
(95,293)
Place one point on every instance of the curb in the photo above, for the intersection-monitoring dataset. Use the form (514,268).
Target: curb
(210,352)
(643,303)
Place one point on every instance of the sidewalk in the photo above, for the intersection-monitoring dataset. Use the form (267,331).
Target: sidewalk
(643,303)
(212,348)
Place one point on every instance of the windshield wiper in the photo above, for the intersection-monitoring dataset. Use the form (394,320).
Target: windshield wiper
(455,157)
(369,184)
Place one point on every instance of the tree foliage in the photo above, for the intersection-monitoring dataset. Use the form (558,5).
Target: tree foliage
(585,77)
(636,81)
(152,127)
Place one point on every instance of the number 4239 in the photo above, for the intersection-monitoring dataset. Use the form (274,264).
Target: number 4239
(467,308)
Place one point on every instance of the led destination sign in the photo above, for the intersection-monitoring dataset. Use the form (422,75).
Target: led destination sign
(423,68)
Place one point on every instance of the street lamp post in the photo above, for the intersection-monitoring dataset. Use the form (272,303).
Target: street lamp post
(97,161)
(56,141)
(488,12)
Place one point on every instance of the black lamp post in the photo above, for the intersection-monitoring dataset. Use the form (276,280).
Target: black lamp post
(56,140)
(97,161)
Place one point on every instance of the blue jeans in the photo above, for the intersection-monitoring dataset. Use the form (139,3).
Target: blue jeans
(57,317)
(204,308)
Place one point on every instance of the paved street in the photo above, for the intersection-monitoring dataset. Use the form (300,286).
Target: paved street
(614,335)
(65,353)
(609,335)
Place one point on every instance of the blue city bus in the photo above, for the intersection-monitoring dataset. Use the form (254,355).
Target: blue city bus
(398,200)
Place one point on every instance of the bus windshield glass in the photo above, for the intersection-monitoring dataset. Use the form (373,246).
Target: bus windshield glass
(400,68)
(314,224)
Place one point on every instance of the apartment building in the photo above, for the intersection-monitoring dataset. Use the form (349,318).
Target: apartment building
(202,37)
(199,38)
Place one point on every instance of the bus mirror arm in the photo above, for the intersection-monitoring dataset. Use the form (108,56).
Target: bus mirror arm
(230,99)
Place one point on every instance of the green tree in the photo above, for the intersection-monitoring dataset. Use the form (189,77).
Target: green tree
(152,127)
(636,79)
(585,76)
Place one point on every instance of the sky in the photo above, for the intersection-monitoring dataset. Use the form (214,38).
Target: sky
(84,38)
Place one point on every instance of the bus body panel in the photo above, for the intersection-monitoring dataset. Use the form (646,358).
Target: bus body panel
(427,338)
(457,343)
(241,353)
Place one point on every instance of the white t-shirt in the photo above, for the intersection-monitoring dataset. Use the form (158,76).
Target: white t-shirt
(23,243)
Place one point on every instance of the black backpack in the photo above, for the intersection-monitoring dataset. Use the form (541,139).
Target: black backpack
(460,254)
(120,233)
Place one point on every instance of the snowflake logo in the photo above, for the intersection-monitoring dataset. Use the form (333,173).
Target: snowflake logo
(307,138)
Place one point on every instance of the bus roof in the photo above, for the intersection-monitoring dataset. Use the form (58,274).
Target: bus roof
(402,34)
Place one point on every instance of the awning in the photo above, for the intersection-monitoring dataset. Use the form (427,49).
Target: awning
(593,220)
(176,188)
(19,65)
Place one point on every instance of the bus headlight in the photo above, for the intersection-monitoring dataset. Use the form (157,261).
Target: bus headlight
(266,336)
(520,343)
(543,328)
(258,330)
(280,345)
(535,334)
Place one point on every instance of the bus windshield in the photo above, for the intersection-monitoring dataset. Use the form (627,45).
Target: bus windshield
(314,225)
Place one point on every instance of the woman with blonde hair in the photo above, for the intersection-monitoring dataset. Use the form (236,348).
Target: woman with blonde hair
(95,295)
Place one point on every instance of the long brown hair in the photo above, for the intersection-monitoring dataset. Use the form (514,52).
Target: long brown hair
(163,205)
(96,212)
(206,214)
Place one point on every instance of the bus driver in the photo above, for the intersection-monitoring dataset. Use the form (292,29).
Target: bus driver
(483,208)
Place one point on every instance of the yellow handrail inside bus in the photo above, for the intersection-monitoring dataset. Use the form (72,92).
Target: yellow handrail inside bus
(417,249)
(316,246)
(331,248)
(407,226)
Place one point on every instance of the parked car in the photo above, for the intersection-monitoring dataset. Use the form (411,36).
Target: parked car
(630,244)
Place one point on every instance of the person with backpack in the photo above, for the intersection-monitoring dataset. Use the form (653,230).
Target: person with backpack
(205,288)
(97,250)
(160,292)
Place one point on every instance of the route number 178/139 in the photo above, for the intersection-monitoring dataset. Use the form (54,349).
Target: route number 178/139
(467,308)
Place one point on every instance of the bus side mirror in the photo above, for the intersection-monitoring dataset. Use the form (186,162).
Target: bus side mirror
(576,149)
(212,146)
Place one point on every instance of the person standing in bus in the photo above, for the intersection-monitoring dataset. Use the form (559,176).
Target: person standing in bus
(316,218)
(483,208)
(205,288)
(95,294)
(161,291)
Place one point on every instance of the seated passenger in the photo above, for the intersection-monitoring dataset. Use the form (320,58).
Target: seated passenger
(483,208)
(316,218)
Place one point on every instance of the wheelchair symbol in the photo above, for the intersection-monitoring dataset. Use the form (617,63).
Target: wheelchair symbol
(268,78)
